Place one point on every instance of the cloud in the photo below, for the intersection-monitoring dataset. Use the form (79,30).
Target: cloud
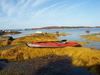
(74,6)
(30,11)
(48,9)
(30,8)
(21,7)
(38,2)
(55,10)
(5,5)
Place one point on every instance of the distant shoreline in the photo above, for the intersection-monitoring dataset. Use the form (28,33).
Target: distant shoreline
(51,27)
(61,27)
(5,33)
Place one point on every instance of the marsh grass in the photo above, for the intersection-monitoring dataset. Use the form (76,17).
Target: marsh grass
(95,34)
(37,38)
(10,33)
(81,56)
(91,37)
(5,43)
(84,57)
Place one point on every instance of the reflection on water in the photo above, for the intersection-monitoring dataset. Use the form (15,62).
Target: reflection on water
(96,35)
(95,45)
(73,37)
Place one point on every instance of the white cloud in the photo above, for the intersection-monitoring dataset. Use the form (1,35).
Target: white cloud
(27,7)
(54,10)
(26,4)
(74,6)
(32,11)
(22,7)
(46,10)
(3,5)
(38,2)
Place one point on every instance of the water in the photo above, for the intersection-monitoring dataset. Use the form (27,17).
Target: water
(71,31)
(94,45)
(74,37)
(96,35)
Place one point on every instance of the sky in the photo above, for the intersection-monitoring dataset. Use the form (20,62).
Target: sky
(21,14)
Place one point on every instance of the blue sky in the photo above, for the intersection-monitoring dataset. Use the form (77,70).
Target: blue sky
(20,14)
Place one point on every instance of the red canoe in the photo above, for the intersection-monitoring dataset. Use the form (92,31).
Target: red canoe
(53,44)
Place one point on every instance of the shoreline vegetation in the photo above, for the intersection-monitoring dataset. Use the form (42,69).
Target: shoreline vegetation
(3,32)
(6,40)
(81,57)
(91,37)
(10,33)
(62,27)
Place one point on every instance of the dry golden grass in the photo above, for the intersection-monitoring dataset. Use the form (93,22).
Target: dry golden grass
(1,43)
(4,43)
(80,56)
(81,43)
(84,57)
(29,39)
(9,33)
(95,34)
(90,37)
(38,38)
(19,50)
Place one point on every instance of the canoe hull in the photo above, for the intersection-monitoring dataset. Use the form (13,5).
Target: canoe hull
(49,46)
(41,46)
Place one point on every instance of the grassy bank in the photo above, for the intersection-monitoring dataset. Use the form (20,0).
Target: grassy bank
(84,57)
(4,41)
(95,34)
(5,33)
(38,38)
(92,37)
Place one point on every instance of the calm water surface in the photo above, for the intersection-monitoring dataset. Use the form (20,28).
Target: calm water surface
(74,37)
(72,31)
